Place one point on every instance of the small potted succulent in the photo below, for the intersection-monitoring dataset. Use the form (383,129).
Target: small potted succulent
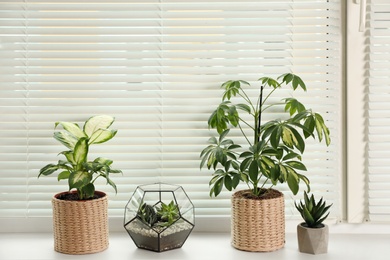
(80,220)
(159,217)
(313,234)
(271,154)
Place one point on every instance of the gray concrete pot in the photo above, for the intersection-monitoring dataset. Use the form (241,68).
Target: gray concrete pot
(313,240)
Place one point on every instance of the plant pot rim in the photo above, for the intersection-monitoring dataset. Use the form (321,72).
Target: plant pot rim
(240,195)
(102,194)
(302,225)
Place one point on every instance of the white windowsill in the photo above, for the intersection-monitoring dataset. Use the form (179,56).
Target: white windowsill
(199,246)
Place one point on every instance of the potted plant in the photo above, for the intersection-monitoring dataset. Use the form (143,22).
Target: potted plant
(272,155)
(159,217)
(313,234)
(80,214)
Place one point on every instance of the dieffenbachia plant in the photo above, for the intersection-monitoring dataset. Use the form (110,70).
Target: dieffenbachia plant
(80,172)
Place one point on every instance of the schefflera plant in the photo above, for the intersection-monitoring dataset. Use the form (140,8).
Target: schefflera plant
(77,169)
(274,149)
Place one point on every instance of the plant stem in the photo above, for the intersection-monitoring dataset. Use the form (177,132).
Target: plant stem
(243,133)
(259,118)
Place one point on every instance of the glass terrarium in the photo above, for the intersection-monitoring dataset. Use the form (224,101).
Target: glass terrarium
(159,217)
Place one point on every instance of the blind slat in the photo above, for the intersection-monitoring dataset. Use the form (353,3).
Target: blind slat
(157,67)
(378,42)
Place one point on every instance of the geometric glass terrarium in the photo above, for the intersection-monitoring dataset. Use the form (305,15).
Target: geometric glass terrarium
(159,217)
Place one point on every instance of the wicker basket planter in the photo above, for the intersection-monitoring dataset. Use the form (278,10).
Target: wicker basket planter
(258,225)
(80,227)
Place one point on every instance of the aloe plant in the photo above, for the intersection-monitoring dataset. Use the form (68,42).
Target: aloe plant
(313,213)
(77,169)
(147,214)
(274,149)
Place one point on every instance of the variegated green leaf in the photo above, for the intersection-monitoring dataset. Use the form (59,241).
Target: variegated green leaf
(95,123)
(78,179)
(72,128)
(48,169)
(101,136)
(63,175)
(81,151)
(66,139)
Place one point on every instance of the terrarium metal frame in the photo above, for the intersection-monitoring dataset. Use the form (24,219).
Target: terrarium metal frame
(159,217)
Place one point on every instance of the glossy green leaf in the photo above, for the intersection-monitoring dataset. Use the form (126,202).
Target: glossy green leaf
(269,82)
(319,129)
(66,139)
(254,171)
(234,146)
(293,181)
(245,164)
(246,154)
(213,140)
(310,125)
(305,180)
(218,187)
(293,106)
(69,156)
(95,123)
(291,155)
(48,169)
(274,174)
(112,184)
(211,161)
(72,128)
(235,180)
(297,165)
(275,137)
(283,174)
(220,156)
(322,127)
(223,135)
(244,107)
(101,136)
(78,179)
(228,183)
(81,151)
(63,175)
(233,116)
(88,190)
(227,165)
(288,138)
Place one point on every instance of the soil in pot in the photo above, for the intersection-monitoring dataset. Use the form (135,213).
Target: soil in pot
(74,196)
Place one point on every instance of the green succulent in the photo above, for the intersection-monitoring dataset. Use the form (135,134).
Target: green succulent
(77,169)
(147,214)
(162,215)
(168,214)
(312,212)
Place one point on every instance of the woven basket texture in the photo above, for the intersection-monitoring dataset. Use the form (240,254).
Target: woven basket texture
(257,225)
(80,227)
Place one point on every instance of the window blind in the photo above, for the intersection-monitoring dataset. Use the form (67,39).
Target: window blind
(378,79)
(156,65)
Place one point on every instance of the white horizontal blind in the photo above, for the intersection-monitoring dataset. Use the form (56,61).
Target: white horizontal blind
(156,65)
(378,81)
